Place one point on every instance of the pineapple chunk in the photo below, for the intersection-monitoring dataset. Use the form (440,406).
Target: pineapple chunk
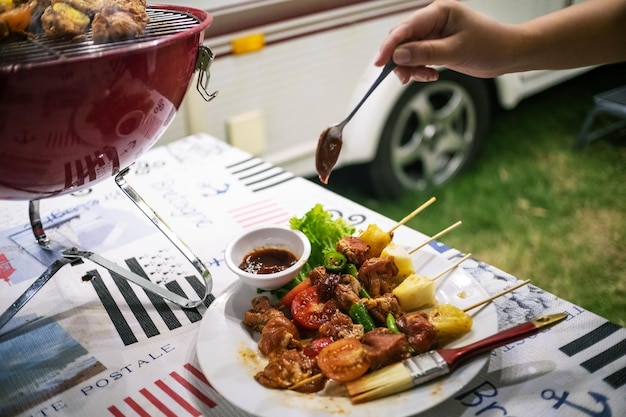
(376,238)
(415,292)
(401,258)
(450,323)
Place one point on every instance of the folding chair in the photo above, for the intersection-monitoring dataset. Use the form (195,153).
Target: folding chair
(612,103)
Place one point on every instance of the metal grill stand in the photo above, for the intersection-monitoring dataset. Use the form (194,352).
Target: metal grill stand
(74,256)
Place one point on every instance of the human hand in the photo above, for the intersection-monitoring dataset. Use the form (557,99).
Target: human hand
(449,34)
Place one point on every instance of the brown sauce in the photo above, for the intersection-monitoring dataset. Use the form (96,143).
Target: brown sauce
(327,152)
(267,261)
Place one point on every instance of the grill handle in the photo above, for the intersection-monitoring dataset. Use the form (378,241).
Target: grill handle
(203,64)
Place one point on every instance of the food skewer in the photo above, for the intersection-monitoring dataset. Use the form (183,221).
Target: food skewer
(451,267)
(314,377)
(412,214)
(435,363)
(417,292)
(378,239)
(438,235)
(493,297)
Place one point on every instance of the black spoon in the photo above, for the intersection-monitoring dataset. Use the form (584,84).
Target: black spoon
(331,138)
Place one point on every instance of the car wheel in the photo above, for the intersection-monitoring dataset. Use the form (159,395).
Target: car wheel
(433,132)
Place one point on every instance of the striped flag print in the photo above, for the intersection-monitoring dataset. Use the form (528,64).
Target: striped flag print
(260,212)
(257,174)
(186,393)
(168,316)
(604,359)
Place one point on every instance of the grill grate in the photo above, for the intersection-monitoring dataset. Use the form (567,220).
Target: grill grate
(40,48)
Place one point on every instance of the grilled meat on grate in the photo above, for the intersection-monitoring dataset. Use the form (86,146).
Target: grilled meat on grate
(32,49)
(110,20)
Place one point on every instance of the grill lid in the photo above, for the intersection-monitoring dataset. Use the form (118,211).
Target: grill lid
(40,48)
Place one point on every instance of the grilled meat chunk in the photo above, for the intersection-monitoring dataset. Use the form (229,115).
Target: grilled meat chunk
(420,332)
(326,283)
(278,334)
(341,326)
(287,369)
(262,311)
(377,275)
(6,5)
(385,347)
(120,19)
(380,306)
(318,275)
(110,20)
(347,292)
(88,7)
(343,289)
(60,20)
(354,249)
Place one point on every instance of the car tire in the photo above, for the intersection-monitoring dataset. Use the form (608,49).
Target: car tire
(433,132)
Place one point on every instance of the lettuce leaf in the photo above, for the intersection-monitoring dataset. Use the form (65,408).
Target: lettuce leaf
(322,230)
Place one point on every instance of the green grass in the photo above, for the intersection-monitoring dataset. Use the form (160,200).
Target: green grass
(532,206)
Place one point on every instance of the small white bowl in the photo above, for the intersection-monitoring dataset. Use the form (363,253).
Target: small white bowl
(265,237)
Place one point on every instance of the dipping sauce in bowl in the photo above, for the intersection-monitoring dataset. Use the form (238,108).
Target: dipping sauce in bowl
(267,257)
(267,261)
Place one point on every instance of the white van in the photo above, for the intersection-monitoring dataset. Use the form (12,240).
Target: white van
(286,69)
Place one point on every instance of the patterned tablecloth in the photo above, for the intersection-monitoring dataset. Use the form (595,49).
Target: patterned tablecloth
(103,347)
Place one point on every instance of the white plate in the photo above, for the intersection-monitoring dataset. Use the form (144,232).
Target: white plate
(229,357)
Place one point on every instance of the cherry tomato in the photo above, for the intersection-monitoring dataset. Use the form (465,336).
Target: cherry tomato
(288,298)
(343,360)
(308,311)
(316,345)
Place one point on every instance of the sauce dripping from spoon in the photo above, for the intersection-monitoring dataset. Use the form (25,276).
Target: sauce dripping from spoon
(331,138)
(328,149)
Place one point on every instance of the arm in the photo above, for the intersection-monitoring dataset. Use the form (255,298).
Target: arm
(452,35)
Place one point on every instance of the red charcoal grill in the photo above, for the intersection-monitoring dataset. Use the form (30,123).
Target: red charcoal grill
(73,113)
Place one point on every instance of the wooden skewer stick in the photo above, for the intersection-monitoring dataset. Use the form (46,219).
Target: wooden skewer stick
(305,381)
(413,214)
(513,288)
(451,267)
(443,232)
